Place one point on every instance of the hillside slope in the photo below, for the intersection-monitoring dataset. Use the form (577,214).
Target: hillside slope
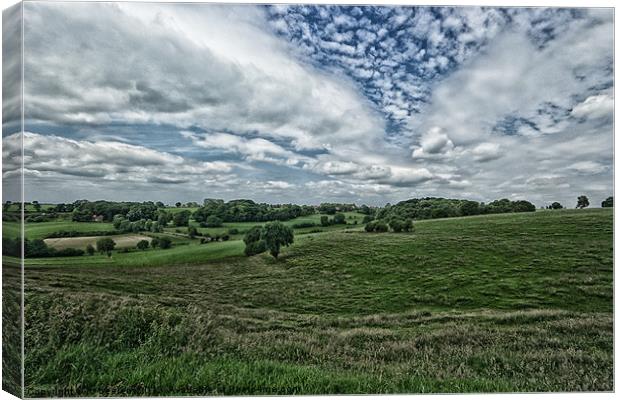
(519,302)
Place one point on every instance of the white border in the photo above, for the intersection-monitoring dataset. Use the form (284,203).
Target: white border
(522,3)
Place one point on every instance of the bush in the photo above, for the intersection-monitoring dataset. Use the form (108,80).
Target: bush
(213,222)
(106,245)
(155,242)
(325,220)
(233,231)
(142,244)
(165,242)
(381,226)
(302,225)
(339,219)
(90,250)
(253,248)
(69,252)
(397,225)
(370,226)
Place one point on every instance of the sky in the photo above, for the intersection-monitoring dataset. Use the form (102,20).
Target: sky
(307,104)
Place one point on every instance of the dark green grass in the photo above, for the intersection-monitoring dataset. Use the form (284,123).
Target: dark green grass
(517,302)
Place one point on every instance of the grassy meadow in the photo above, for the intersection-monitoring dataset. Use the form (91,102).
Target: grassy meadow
(510,302)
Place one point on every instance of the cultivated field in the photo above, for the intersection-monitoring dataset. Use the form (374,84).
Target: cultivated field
(122,241)
(512,302)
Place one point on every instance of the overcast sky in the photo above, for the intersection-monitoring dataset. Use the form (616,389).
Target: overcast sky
(178,102)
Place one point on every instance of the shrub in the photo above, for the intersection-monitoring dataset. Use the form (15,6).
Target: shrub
(253,248)
(339,219)
(155,242)
(142,244)
(370,226)
(381,226)
(90,250)
(302,225)
(165,242)
(68,252)
(233,231)
(106,245)
(213,221)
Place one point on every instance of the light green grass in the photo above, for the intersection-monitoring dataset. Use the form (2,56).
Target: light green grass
(519,302)
(39,230)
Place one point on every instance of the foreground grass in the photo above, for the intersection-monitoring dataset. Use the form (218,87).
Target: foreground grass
(493,303)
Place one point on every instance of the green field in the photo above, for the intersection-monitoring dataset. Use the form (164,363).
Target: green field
(40,230)
(514,302)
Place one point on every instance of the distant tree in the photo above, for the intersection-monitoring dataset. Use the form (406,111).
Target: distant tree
(155,242)
(36,205)
(90,250)
(367,219)
(339,219)
(276,235)
(163,218)
(325,220)
(407,225)
(523,206)
(469,207)
(178,204)
(6,205)
(381,226)
(582,201)
(181,218)
(142,245)
(159,204)
(397,225)
(192,232)
(213,221)
(608,202)
(556,206)
(165,242)
(106,245)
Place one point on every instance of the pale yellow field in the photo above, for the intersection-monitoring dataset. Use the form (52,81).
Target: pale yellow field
(122,241)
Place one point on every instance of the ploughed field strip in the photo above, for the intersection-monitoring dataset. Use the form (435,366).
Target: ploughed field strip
(518,302)
(122,241)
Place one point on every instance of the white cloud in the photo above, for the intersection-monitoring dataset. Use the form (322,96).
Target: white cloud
(257,149)
(588,167)
(486,152)
(54,156)
(599,106)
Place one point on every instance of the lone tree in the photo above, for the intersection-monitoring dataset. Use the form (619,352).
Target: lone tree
(325,220)
(106,245)
(556,206)
(608,202)
(276,234)
(582,201)
(142,244)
